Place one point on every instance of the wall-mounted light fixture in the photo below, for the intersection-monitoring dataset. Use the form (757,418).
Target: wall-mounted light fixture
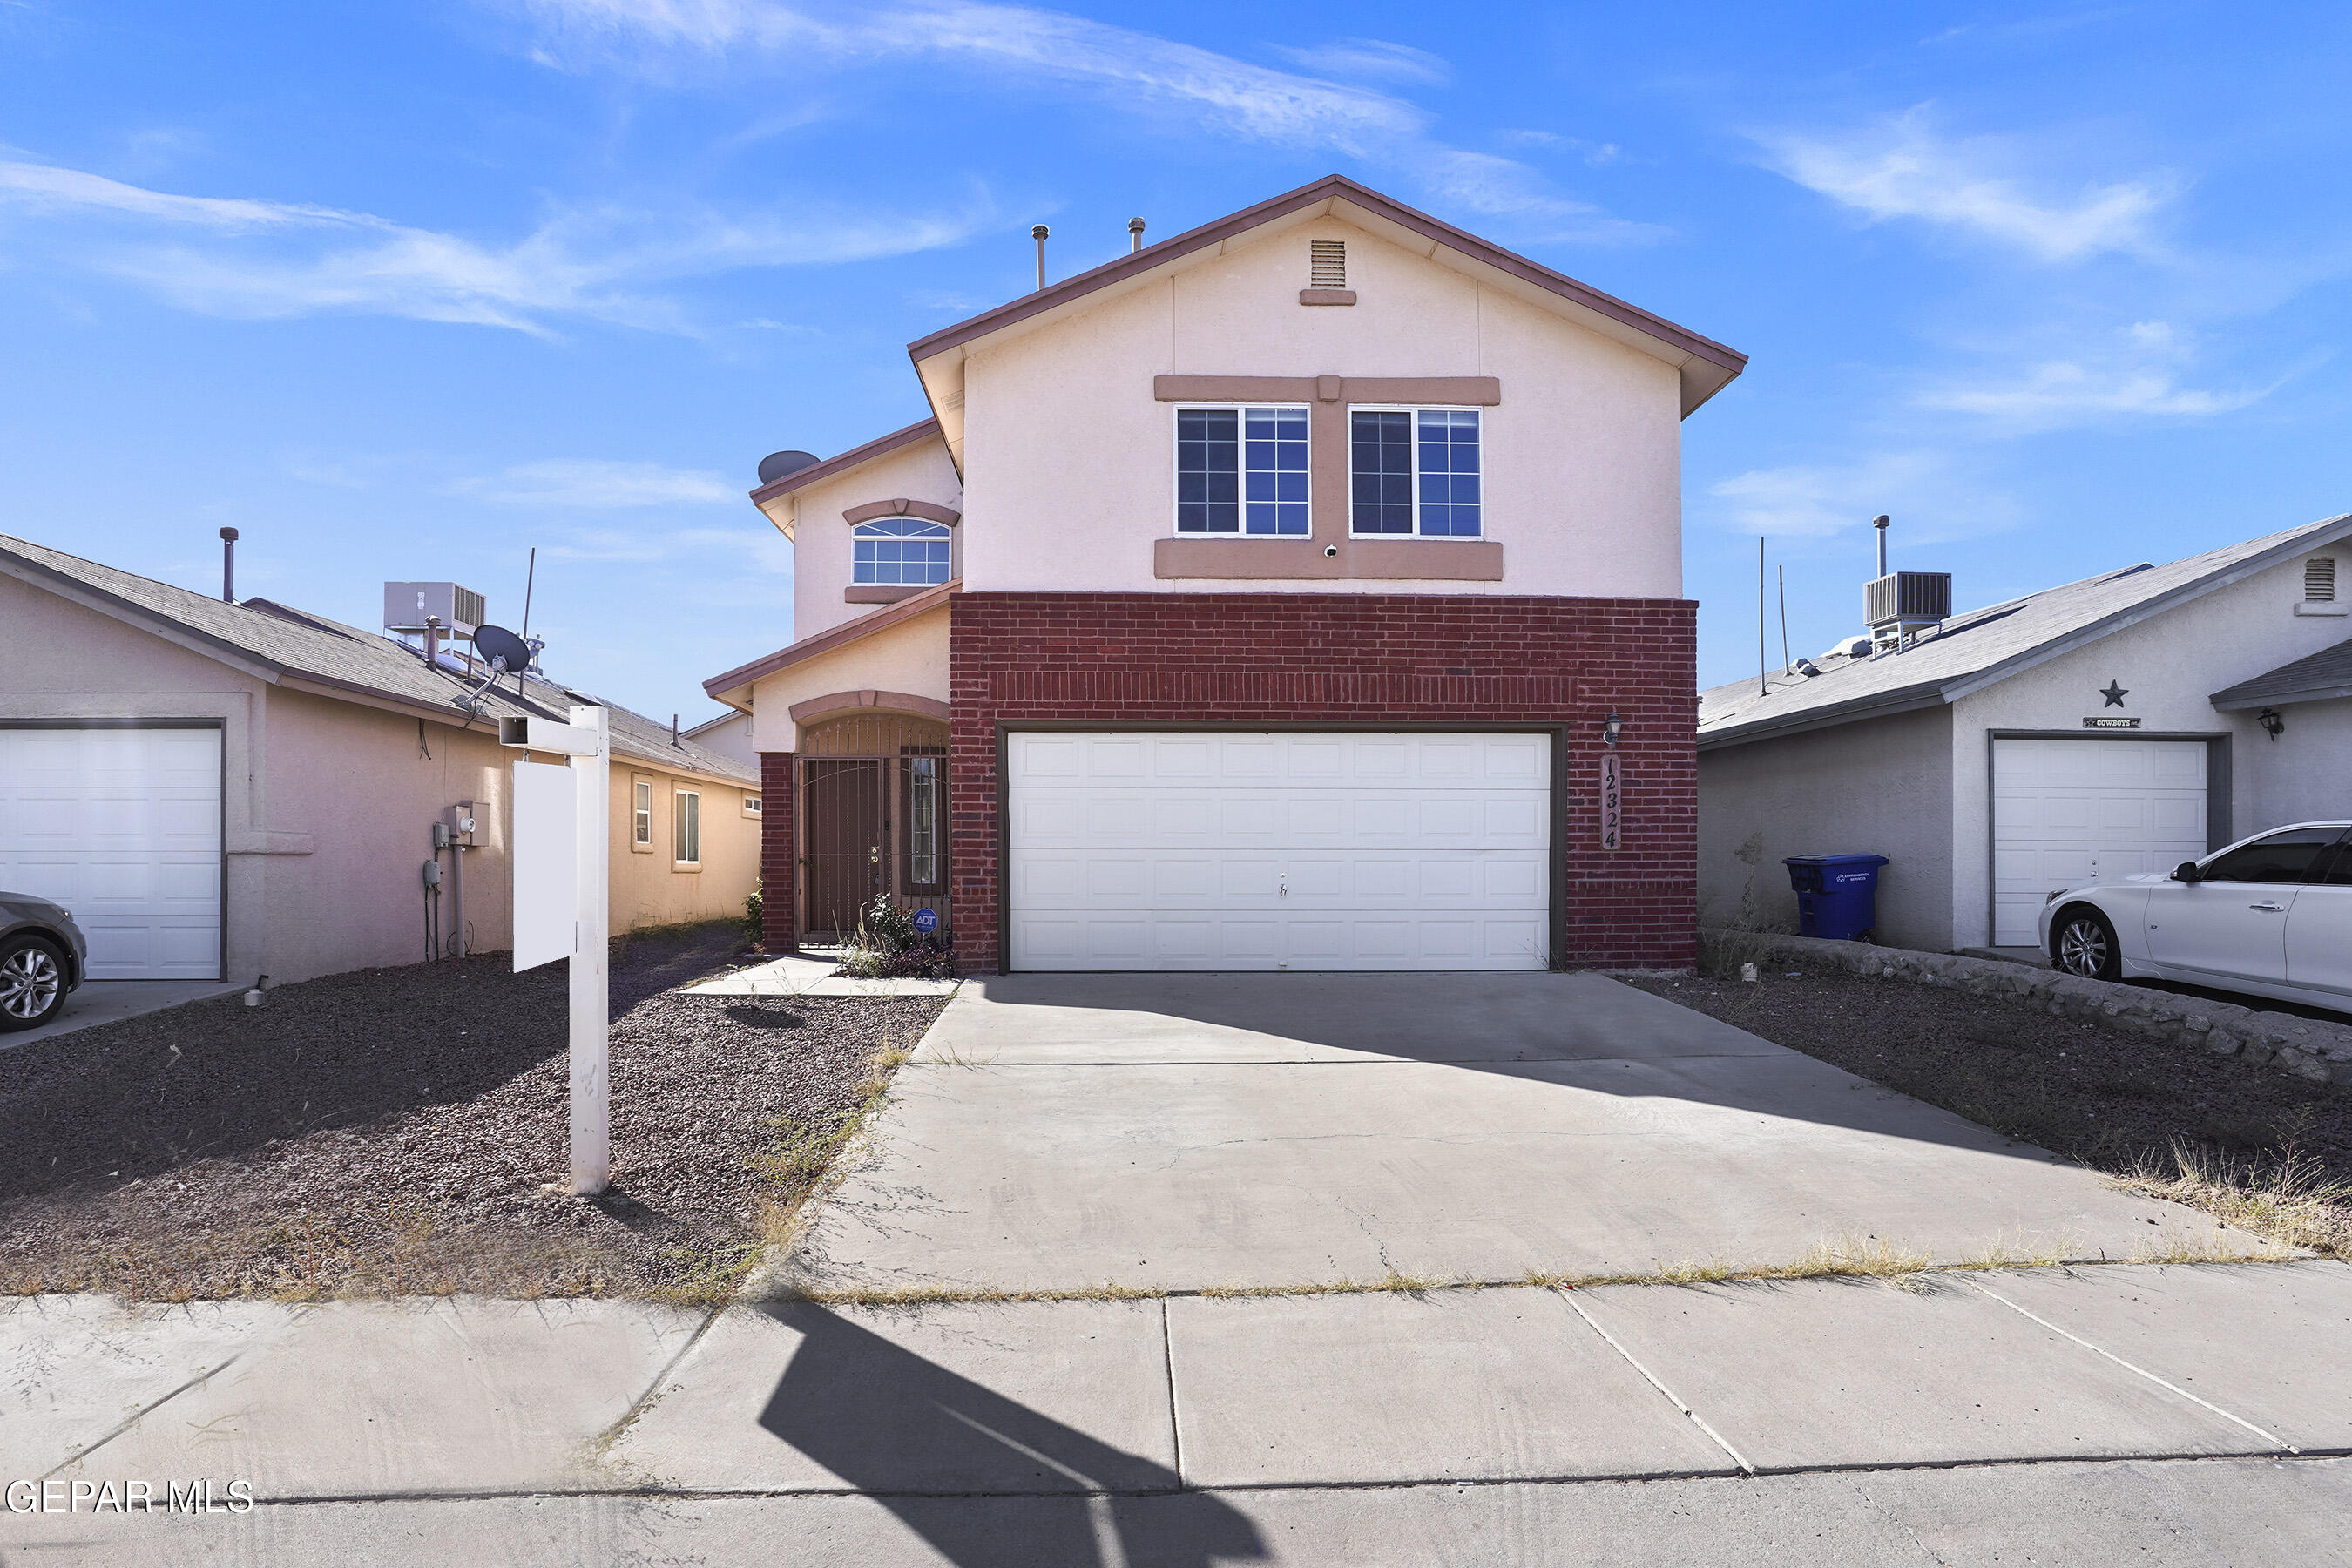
(2272,721)
(1610,728)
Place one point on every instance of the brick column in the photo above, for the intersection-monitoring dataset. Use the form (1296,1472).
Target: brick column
(780,882)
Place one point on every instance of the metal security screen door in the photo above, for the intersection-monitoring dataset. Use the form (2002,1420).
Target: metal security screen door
(123,826)
(1307,851)
(2067,811)
(873,802)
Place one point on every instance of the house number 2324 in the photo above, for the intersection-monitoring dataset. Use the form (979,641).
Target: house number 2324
(1611,818)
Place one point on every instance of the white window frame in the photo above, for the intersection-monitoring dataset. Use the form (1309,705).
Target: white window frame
(1176,472)
(1416,410)
(685,827)
(753,805)
(641,815)
(857,531)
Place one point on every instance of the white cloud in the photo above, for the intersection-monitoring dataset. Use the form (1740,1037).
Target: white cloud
(264,258)
(1926,493)
(1594,154)
(1902,169)
(2059,392)
(1128,69)
(599,485)
(1371,59)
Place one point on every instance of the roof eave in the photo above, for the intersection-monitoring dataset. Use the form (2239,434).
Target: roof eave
(2227,703)
(724,688)
(1772,727)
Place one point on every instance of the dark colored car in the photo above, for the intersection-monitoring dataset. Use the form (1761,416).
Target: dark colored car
(42,956)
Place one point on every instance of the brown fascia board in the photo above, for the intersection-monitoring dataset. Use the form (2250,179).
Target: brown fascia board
(65,585)
(2223,703)
(878,446)
(1330,186)
(826,641)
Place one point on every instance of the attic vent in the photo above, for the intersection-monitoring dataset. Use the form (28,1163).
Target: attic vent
(2319,579)
(1326,264)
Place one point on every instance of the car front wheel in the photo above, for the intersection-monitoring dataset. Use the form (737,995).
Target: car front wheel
(32,983)
(2084,943)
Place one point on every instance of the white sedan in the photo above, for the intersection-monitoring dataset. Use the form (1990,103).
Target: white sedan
(2271,915)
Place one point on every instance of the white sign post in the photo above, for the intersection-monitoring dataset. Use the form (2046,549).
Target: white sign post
(562,865)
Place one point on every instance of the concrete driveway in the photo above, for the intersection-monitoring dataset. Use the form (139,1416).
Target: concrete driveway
(1186,1132)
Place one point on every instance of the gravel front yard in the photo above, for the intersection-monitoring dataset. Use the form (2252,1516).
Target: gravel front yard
(404,1129)
(2177,1119)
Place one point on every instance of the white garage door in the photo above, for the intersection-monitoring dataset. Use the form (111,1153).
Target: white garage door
(122,827)
(1215,850)
(2066,811)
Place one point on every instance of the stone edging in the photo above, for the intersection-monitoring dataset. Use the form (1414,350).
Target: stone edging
(2306,1047)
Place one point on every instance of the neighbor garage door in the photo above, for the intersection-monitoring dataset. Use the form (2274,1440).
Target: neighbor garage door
(123,826)
(2067,811)
(1286,850)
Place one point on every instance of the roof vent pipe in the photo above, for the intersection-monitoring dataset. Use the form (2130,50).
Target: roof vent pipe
(1134,234)
(1039,234)
(228,566)
(1881,523)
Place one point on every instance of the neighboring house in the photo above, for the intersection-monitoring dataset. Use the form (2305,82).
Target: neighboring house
(2123,723)
(222,790)
(729,735)
(1263,599)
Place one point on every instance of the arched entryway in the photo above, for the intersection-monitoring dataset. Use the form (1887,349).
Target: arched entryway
(873,804)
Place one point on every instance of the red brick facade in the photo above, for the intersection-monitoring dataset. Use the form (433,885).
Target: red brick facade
(1120,658)
(779,854)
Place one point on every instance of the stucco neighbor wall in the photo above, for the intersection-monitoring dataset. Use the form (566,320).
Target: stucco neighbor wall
(330,805)
(911,656)
(1069,457)
(1883,787)
(2168,666)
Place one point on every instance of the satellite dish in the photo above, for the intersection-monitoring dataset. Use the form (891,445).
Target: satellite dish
(497,643)
(776,465)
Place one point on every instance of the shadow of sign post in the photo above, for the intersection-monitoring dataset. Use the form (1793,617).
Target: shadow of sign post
(985,1480)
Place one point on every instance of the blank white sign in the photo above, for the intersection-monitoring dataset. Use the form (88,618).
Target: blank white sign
(546,855)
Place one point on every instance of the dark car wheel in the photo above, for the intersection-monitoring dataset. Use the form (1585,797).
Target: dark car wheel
(2082,943)
(32,982)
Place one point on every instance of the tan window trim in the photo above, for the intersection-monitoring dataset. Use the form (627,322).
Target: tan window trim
(902,506)
(1431,560)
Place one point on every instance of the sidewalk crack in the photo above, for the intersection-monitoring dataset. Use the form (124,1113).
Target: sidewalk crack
(1654,1382)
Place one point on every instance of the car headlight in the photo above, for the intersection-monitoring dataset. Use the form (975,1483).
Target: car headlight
(2055,894)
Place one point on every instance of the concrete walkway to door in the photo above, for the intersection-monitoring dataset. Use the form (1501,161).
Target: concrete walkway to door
(1181,1133)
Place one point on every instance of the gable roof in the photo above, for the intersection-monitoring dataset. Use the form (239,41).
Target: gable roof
(880,446)
(307,652)
(1981,646)
(864,626)
(1705,367)
(2314,677)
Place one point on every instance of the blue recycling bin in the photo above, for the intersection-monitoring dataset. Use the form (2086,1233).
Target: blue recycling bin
(1837,895)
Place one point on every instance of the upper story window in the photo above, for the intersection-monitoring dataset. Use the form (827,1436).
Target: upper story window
(894,550)
(1414,471)
(1242,470)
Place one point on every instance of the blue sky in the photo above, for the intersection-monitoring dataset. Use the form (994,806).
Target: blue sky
(401,290)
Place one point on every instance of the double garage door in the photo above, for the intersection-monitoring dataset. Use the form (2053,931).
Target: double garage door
(1215,850)
(2066,811)
(123,826)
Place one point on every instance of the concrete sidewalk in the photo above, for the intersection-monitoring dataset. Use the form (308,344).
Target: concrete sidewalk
(1784,1423)
(796,975)
(1183,1131)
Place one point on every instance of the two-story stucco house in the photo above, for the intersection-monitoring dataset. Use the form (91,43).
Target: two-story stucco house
(1301,591)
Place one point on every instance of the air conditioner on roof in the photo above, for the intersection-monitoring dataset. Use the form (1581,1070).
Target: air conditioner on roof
(406,605)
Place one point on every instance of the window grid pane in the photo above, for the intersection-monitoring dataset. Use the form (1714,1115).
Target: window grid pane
(909,551)
(1274,471)
(690,828)
(1208,470)
(1449,472)
(1380,466)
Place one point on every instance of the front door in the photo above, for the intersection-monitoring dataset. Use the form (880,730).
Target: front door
(842,819)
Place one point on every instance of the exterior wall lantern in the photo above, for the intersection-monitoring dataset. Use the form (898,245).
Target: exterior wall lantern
(1610,728)
(2272,721)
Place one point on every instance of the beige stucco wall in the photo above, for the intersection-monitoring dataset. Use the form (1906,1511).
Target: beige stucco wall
(1882,788)
(2169,666)
(649,886)
(329,805)
(911,656)
(821,539)
(1069,459)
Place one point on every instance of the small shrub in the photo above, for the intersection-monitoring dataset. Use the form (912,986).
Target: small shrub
(754,914)
(887,947)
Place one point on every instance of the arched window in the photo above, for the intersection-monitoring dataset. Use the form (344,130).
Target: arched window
(895,550)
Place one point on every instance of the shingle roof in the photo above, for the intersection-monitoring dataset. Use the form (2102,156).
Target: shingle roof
(2314,677)
(1979,648)
(282,640)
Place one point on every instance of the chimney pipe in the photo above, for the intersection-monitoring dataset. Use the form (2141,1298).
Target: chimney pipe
(433,642)
(1134,234)
(1880,522)
(1038,233)
(228,566)
(673,729)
